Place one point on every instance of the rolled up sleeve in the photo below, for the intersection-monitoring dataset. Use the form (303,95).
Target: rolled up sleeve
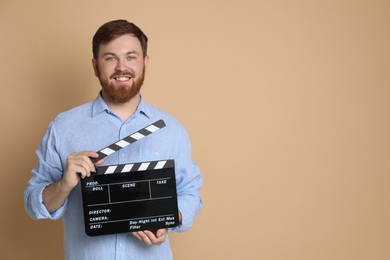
(47,171)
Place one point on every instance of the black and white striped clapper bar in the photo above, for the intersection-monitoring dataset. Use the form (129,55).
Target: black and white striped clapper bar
(130,197)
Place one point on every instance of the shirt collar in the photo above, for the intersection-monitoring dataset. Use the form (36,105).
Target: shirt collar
(99,106)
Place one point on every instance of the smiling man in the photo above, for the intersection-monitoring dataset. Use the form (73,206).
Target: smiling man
(120,62)
(120,66)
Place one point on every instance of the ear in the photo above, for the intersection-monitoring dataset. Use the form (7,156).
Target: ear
(95,67)
(146,62)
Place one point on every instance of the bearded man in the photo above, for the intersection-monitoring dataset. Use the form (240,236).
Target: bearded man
(120,62)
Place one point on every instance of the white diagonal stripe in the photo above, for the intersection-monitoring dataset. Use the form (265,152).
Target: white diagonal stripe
(137,136)
(122,143)
(160,165)
(152,128)
(110,169)
(127,167)
(107,151)
(144,166)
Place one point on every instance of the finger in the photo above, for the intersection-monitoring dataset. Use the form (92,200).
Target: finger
(136,235)
(94,157)
(84,158)
(92,154)
(78,159)
(161,232)
(98,163)
(92,164)
(145,238)
(87,158)
(86,163)
(154,239)
(80,171)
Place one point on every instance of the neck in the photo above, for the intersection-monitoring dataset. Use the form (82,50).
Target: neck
(123,110)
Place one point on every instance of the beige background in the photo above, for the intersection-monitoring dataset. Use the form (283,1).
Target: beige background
(286,102)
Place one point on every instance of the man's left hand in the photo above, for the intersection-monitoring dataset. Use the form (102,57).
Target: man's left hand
(152,238)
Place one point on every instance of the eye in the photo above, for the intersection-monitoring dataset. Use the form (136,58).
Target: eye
(110,58)
(131,57)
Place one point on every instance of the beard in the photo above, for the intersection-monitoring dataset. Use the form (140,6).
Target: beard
(124,92)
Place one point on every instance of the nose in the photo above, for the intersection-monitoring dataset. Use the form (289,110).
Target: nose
(120,65)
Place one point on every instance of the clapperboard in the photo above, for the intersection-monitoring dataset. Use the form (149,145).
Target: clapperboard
(130,197)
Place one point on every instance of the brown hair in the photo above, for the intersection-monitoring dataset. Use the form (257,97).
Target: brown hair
(113,29)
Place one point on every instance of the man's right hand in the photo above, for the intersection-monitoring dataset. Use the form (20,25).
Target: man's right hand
(78,165)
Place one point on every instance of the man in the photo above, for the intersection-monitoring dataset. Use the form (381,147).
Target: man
(119,61)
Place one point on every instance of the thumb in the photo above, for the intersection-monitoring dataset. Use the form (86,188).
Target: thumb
(160,232)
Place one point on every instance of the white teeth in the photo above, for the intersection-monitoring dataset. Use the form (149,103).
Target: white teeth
(122,78)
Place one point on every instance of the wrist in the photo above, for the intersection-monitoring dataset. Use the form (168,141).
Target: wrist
(64,186)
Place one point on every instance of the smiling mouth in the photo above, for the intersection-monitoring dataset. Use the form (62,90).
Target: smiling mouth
(122,78)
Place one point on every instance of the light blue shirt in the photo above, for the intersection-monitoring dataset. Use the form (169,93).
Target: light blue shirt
(91,127)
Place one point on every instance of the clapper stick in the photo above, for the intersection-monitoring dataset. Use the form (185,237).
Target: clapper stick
(132,138)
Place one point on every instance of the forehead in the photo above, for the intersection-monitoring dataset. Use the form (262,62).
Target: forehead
(121,45)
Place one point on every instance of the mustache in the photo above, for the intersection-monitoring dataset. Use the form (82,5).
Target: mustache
(123,73)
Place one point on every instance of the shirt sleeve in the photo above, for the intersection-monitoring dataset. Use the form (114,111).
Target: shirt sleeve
(48,171)
(188,184)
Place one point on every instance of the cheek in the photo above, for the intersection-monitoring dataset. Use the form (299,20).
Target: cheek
(104,72)
(138,68)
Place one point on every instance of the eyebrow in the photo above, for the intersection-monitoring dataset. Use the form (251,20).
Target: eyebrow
(113,54)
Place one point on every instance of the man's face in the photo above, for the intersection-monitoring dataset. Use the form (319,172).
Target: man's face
(120,67)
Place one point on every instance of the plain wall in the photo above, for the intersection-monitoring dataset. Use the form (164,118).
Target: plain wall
(286,102)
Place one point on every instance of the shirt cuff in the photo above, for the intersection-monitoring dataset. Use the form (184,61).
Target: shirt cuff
(42,210)
(186,219)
